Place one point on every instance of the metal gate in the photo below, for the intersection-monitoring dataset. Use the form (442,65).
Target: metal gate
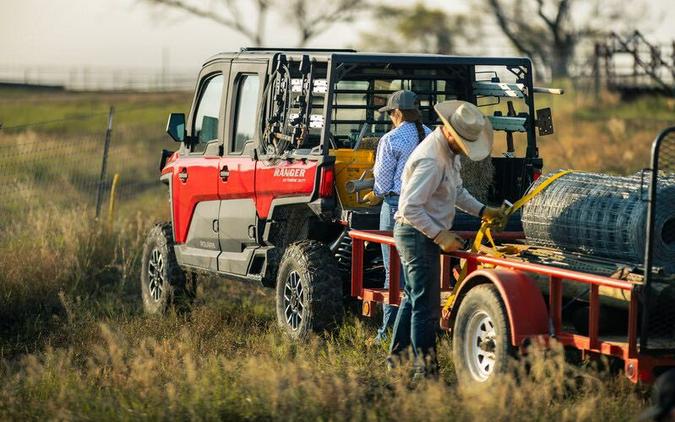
(658,298)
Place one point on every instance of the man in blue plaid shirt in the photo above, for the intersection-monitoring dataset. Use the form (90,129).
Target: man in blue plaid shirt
(393,151)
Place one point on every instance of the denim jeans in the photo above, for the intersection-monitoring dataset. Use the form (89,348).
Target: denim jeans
(389,208)
(419,313)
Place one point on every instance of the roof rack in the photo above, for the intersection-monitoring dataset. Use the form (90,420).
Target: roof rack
(319,50)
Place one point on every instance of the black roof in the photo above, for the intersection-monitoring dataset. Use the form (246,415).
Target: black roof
(351,56)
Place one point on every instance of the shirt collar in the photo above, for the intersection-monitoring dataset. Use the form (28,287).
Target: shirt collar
(446,146)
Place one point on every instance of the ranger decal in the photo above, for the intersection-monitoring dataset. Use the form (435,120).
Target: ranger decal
(286,172)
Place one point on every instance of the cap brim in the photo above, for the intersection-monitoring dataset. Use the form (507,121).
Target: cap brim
(476,150)
(387,108)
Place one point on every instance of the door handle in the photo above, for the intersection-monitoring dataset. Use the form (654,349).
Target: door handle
(224,173)
(183,175)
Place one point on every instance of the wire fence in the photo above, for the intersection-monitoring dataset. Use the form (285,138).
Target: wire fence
(70,163)
(99,78)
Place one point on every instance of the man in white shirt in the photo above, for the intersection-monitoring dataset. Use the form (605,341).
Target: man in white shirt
(431,189)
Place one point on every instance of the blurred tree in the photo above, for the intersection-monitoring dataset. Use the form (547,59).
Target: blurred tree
(418,29)
(312,17)
(548,31)
(308,17)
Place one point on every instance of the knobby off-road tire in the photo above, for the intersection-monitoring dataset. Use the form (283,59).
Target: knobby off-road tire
(309,289)
(163,282)
(481,348)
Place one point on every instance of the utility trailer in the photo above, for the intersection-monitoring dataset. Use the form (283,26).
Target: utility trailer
(485,336)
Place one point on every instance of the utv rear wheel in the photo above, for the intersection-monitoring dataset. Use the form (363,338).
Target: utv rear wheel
(309,289)
(481,346)
(163,282)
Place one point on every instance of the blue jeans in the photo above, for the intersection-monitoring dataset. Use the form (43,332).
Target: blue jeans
(389,208)
(419,313)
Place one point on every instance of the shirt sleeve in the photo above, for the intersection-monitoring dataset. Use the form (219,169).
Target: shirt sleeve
(422,183)
(384,169)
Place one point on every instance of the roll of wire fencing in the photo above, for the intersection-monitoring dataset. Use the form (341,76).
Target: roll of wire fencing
(604,216)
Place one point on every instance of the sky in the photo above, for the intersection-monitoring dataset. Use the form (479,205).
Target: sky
(128,34)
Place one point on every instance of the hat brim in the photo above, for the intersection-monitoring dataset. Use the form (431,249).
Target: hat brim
(476,150)
(387,108)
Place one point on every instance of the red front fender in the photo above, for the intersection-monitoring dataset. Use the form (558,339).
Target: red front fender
(522,298)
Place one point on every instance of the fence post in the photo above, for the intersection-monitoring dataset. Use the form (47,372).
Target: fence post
(104,162)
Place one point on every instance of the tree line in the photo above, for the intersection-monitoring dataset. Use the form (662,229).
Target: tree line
(547,31)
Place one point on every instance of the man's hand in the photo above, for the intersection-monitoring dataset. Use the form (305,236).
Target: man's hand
(448,241)
(495,215)
(372,199)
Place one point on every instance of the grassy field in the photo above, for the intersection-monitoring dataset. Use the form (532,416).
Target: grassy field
(75,345)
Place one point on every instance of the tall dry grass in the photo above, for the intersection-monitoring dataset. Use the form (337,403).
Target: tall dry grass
(51,256)
(75,346)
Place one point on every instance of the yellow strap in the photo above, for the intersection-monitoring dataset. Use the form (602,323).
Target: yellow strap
(485,231)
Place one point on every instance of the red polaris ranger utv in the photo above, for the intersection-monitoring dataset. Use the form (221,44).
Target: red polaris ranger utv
(274,155)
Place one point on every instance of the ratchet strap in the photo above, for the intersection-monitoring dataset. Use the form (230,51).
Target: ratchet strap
(485,231)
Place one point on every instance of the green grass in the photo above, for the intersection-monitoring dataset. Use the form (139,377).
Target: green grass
(74,343)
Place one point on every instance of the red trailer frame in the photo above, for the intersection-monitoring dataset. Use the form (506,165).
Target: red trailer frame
(529,317)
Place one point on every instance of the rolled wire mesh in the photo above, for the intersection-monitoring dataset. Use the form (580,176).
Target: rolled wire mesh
(601,215)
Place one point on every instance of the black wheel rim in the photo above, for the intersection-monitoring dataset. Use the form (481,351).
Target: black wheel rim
(293,300)
(156,275)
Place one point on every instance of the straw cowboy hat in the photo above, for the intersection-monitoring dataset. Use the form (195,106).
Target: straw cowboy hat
(471,130)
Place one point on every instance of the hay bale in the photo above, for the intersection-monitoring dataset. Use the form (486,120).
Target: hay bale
(477,176)
(369,142)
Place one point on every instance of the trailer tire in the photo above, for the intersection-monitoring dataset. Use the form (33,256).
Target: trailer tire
(309,289)
(164,284)
(481,346)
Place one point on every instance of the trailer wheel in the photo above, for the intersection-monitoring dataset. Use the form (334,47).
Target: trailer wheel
(309,289)
(163,282)
(481,336)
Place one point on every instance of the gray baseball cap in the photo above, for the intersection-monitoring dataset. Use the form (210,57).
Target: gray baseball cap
(402,100)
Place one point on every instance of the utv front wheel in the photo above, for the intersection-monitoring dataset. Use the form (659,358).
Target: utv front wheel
(163,282)
(309,289)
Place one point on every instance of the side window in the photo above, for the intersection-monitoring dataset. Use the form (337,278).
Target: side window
(245,116)
(206,121)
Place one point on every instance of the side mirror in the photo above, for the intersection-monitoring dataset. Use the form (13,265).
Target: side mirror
(175,127)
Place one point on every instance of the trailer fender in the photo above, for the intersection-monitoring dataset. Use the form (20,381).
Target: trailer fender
(527,312)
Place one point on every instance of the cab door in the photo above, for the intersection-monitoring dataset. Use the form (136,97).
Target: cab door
(236,179)
(195,180)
